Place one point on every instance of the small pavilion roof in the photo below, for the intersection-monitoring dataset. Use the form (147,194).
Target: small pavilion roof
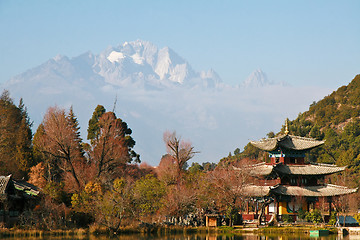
(308,169)
(326,190)
(287,142)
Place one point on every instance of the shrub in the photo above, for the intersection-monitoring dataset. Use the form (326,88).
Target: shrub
(314,216)
(301,214)
(332,220)
(287,218)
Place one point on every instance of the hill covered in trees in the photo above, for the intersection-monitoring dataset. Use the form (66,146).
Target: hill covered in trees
(335,119)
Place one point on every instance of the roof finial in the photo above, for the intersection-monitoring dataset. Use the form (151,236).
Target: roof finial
(286,126)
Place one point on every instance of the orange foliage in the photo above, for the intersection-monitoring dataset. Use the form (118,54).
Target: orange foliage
(36,175)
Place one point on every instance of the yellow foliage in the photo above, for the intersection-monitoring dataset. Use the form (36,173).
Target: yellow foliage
(93,188)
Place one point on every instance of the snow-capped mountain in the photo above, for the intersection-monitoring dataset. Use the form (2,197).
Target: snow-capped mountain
(157,90)
(259,79)
(138,64)
(256,79)
(141,63)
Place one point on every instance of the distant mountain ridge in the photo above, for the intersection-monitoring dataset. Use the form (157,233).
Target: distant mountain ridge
(155,90)
(131,64)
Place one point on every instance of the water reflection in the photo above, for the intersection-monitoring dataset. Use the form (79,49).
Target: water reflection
(201,237)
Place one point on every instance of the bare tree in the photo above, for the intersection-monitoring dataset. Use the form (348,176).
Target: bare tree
(167,170)
(227,185)
(181,151)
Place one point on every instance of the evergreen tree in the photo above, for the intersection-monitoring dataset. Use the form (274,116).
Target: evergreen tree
(15,138)
(74,123)
(94,128)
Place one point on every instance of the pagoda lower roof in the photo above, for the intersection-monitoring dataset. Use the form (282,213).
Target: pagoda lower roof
(287,142)
(308,169)
(313,169)
(256,191)
(260,169)
(326,190)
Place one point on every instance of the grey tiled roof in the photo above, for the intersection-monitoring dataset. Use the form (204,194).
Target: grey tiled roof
(4,181)
(263,169)
(260,169)
(326,190)
(308,169)
(288,142)
(255,191)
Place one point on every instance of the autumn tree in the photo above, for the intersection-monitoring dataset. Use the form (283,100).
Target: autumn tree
(109,207)
(15,138)
(148,195)
(227,189)
(181,151)
(167,170)
(58,139)
(111,144)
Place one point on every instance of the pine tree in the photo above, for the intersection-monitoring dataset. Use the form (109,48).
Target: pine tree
(74,123)
(94,128)
(15,138)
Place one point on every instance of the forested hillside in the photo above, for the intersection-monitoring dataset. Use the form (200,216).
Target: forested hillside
(335,119)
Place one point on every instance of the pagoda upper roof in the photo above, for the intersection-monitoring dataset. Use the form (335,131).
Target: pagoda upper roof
(326,190)
(286,141)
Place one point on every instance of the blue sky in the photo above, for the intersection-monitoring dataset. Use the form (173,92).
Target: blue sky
(300,42)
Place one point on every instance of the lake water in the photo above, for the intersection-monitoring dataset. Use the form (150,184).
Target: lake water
(206,237)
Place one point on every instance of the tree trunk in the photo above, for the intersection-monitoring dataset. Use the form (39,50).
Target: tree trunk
(73,173)
(262,210)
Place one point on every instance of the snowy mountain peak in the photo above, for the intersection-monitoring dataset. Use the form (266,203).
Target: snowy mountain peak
(138,63)
(256,79)
(59,58)
(115,56)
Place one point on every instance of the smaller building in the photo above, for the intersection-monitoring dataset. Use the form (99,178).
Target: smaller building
(15,198)
(212,220)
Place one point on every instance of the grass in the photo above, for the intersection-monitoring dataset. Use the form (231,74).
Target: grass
(13,232)
(162,230)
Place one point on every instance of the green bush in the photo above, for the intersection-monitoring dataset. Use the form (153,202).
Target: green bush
(332,220)
(287,218)
(314,216)
(301,214)
(357,217)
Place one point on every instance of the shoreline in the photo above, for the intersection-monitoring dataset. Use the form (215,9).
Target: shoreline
(236,230)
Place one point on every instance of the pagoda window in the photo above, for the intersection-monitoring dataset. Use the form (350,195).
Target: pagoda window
(304,181)
(293,181)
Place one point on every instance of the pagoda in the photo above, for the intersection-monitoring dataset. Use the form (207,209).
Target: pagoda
(288,181)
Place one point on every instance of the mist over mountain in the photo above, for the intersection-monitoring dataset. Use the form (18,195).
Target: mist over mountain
(157,90)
